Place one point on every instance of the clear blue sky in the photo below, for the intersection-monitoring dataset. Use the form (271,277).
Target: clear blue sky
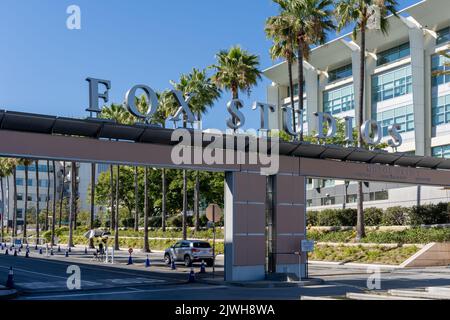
(43,65)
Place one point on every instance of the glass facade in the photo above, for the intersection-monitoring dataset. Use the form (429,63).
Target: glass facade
(42,168)
(440,109)
(438,63)
(393,54)
(443,35)
(391,84)
(340,73)
(296,89)
(441,151)
(339,100)
(404,116)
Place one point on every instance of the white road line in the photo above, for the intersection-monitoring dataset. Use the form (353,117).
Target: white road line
(34,272)
(120,292)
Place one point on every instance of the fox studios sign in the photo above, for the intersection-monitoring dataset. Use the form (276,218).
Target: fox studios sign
(371,130)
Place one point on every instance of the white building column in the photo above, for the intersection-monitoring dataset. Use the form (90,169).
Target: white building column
(312,94)
(416,42)
(273,97)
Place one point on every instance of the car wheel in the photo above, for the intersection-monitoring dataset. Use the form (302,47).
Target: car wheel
(210,262)
(187,261)
(167,259)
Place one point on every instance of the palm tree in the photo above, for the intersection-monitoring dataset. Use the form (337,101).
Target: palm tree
(5,171)
(73,202)
(91,220)
(61,196)
(236,70)
(116,226)
(146,211)
(14,222)
(205,92)
(26,163)
(280,30)
(52,242)
(48,196)
(312,19)
(358,12)
(36,163)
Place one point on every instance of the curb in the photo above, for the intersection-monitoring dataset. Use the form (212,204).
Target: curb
(263,284)
(7,294)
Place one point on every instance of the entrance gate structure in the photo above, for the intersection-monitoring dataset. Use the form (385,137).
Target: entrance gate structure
(265,216)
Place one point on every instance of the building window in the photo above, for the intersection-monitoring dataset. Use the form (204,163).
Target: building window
(404,116)
(19,213)
(43,183)
(296,89)
(339,100)
(441,110)
(438,63)
(42,168)
(30,198)
(102,167)
(391,84)
(309,203)
(19,181)
(340,73)
(351,198)
(441,152)
(328,201)
(443,35)
(394,54)
(19,197)
(379,195)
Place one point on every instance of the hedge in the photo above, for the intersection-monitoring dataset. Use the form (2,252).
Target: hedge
(395,216)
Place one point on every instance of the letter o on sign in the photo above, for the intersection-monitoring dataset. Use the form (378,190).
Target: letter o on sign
(152,100)
(371,132)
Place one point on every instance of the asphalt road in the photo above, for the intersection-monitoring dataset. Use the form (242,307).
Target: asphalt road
(45,278)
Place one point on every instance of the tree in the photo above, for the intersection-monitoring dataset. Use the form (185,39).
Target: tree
(26,163)
(205,93)
(52,242)
(61,196)
(446,67)
(73,202)
(48,196)
(14,222)
(36,163)
(146,211)
(92,212)
(280,30)
(358,12)
(311,20)
(6,168)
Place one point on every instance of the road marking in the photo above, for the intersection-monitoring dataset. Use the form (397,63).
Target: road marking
(34,272)
(121,292)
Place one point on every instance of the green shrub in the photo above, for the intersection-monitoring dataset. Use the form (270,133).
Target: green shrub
(429,214)
(373,216)
(155,222)
(395,216)
(128,222)
(311,218)
(175,221)
(338,218)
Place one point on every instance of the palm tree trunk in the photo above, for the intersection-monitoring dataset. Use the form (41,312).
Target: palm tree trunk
(14,232)
(116,226)
(7,205)
(300,76)
(61,199)
(184,205)
(196,201)
(52,243)
(164,200)
(136,199)
(111,186)
(25,205)
(37,200)
(48,195)
(360,229)
(91,220)
(146,211)
(291,91)
(3,209)
(73,203)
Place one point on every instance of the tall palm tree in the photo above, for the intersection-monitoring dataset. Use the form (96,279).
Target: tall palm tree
(91,218)
(116,226)
(48,196)
(312,19)
(14,222)
(281,30)
(236,70)
(146,211)
(358,13)
(36,163)
(205,92)
(61,196)
(52,241)
(5,171)
(26,163)
(73,202)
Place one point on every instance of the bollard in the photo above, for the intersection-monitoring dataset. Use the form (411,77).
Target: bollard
(15,253)
(191,276)
(67,254)
(36,247)
(147,262)
(70,249)
(51,252)
(40,250)
(202,267)
(6,252)
(27,253)
(173,266)
(85,250)
(59,248)
(10,280)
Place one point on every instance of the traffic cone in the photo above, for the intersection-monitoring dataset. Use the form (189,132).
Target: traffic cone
(70,249)
(67,254)
(130,260)
(85,250)
(191,276)
(20,250)
(202,267)
(147,262)
(15,253)
(173,266)
(1,246)
(36,247)
(27,253)
(6,252)
(10,280)
(40,250)
(51,252)
(59,248)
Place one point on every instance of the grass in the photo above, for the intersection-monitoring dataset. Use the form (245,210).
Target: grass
(360,254)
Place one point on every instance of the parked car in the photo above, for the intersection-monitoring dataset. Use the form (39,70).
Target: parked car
(189,251)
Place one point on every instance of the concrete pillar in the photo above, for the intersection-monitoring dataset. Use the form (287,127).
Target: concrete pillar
(245,221)
(416,41)
(312,94)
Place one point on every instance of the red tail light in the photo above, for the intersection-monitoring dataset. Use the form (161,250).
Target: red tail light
(195,250)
